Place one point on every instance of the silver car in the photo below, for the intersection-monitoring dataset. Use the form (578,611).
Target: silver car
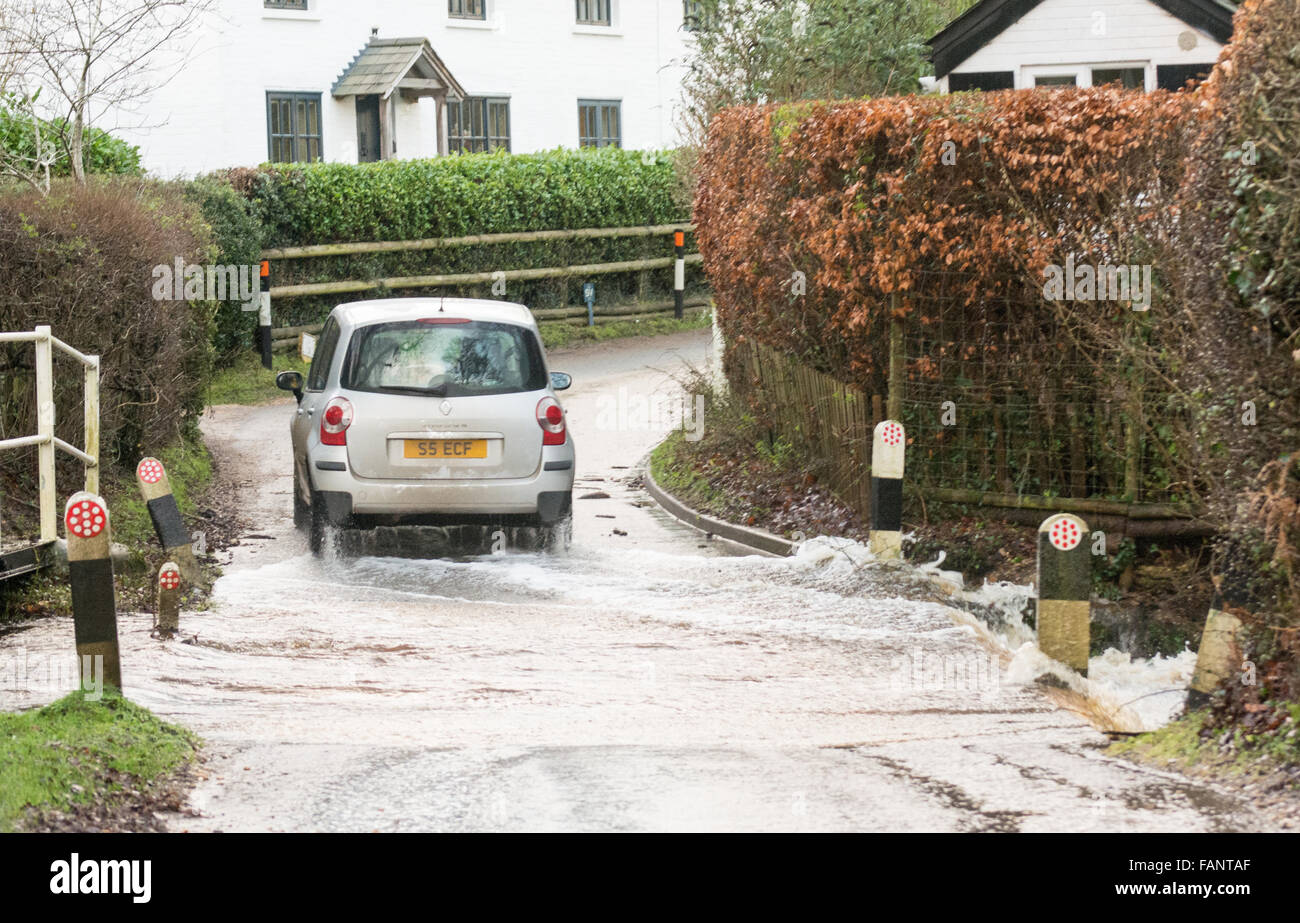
(430,411)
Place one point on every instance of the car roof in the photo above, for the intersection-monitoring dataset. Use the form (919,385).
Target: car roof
(378,310)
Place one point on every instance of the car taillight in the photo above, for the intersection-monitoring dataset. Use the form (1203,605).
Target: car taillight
(550,417)
(334,422)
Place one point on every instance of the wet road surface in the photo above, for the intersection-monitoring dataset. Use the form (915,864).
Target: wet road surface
(647,681)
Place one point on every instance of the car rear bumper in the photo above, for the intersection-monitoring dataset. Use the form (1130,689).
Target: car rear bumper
(540,493)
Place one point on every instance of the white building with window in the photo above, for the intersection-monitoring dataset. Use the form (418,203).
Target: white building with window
(347,81)
(1139,44)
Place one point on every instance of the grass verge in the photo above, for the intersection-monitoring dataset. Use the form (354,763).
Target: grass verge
(79,754)
(671,472)
(556,335)
(1199,744)
(242,380)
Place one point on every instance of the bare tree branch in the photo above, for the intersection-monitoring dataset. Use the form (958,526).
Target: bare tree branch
(93,57)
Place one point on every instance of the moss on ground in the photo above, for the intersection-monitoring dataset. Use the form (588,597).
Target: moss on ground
(1193,742)
(79,751)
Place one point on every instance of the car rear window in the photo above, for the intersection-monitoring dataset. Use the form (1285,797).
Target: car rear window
(444,357)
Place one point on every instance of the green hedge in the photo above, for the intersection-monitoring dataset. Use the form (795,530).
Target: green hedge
(237,241)
(102,153)
(303,204)
(453,196)
(82,260)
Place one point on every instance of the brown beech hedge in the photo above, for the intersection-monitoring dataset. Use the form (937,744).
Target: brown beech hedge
(812,215)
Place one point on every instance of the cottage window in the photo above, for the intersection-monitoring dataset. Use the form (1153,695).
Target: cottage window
(478,123)
(600,123)
(293,127)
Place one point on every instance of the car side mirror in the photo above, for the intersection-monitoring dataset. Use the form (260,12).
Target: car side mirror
(561,380)
(290,381)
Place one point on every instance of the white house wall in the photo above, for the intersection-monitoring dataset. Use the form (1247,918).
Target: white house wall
(1086,32)
(212,114)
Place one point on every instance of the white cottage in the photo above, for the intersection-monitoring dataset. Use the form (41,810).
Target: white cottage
(347,81)
(1016,44)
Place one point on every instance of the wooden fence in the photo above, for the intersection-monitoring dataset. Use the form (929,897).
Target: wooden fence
(344,286)
(832,423)
(827,419)
(287,336)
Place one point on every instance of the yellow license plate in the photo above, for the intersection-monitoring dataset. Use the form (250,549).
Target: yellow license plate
(445,448)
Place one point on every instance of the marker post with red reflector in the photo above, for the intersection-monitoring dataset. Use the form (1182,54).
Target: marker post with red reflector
(679,273)
(94,604)
(887,448)
(1064,590)
(264,315)
(156,489)
(169,598)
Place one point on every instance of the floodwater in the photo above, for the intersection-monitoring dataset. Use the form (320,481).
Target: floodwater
(646,679)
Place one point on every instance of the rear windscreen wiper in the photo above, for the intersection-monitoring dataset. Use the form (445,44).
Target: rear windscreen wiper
(440,391)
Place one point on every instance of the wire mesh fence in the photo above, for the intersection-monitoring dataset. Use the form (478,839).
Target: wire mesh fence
(1005,400)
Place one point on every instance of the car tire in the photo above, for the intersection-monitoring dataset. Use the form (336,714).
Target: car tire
(318,524)
(301,511)
(558,535)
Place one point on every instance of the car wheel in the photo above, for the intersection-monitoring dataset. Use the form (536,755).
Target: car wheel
(318,525)
(558,535)
(301,511)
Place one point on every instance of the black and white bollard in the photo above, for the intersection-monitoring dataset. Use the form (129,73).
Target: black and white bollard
(887,447)
(169,599)
(1218,658)
(156,489)
(264,315)
(94,604)
(679,273)
(1064,591)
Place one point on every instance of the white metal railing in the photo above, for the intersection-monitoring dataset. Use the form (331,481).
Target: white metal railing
(46,342)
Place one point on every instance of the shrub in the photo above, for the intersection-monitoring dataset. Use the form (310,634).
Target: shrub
(102,153)
(302,204)
(860,198)
(237,240)
(819,222)
(454,196)
(82,260)
(1241,276)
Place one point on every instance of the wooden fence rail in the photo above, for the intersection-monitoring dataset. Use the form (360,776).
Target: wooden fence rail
(434,243)
(475,278)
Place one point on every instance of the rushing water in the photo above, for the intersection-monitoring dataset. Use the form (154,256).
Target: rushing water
(647,678)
